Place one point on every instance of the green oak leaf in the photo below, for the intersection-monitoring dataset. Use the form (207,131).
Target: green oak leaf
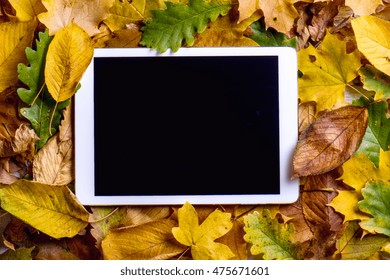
(376,202)
(269,237)
(375,80)
(33,75)
(18,254)
(169,28)
(270,37)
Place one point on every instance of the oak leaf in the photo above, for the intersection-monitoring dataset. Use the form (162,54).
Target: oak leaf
(376,203)
(329,141)
(54,210)
(85,13)
(269,237)
(148,241)
(16,37)
(18,254)
(369,32)
(201,238)
(68,57)
(270,37)
(327,71)
(27,9)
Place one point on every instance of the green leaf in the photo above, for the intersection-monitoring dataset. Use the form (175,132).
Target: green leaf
(370,147)
(352,246)
(376,81)
(54,210)
(376,202)
(40,113)
(32,75)
(179,22)
(270,37)
(379,123)
(269,237)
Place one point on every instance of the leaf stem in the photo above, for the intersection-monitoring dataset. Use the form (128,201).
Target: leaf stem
(51,118)
(39,92)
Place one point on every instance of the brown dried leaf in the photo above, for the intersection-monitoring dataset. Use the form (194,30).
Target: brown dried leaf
(329,141)
(306,115)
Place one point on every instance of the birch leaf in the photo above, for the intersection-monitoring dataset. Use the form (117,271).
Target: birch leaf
(85,13)
(201,237)
(326,72)
(369,32)
(68,57)
(27,9)
(15,36)
(330,140)
(54,210)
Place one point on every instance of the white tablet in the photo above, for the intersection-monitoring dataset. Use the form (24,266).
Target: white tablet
(203,125)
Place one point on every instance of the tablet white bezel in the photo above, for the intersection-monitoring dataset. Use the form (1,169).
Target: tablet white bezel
(288,128)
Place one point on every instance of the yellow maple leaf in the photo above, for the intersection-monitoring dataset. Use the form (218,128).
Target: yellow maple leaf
(373,41)
(357,171)
(27,9)
(361,9)
(326,72)
(15,37)
(279,14)
(201,237)
(247,8)
(68,57)
(86,13)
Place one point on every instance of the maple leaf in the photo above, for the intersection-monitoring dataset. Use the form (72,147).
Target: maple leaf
(27,9)
(201,237)
(85,13)
(123,12)
(369,32)
(329,141)
(18,36)
(247,8)
(357,171)
(269,237)
(68,57)
(376,81)
(224,32)
(279,14)
(148,241)
(179,22)
(376,203)
(326,72)
(53,210)
(365,9)
(353,246)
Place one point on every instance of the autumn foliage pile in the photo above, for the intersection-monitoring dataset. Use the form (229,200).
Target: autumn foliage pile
(342,157)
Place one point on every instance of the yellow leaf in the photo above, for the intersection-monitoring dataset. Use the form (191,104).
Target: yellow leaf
(15,37)
(124,12)
(247,8)
(357,171)
(51,209)
(68,57)
(86,13)
(201,237)
(279,14)
(326,72)
(363,9)
(27,9)
(224,32)
(149,241)
(373,40)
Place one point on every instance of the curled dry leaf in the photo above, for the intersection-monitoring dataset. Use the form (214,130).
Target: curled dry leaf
(329,141)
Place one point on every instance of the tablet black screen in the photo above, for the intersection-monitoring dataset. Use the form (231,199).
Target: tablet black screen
(186,125)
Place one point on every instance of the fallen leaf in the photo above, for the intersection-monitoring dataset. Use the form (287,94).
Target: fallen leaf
(375,80)
(306,115)
(363,9)
(247,8)
(27,10)
(85,13)
(279,14)
(18,36)
(124,12)
(54,210)
(18,254)
(68,57)
(125,38)
(375,47)
(327,70)
(330,141)
(149,241)
(201,238)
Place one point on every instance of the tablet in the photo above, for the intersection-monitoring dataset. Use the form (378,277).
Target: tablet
(205,125)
